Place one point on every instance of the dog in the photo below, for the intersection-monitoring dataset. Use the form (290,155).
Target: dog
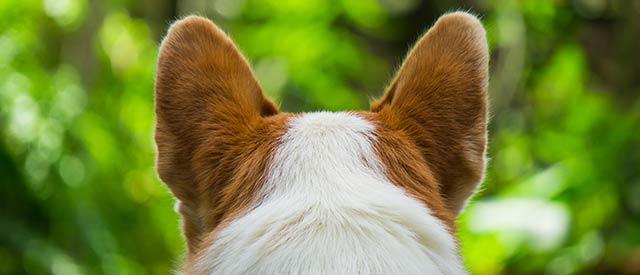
(262,191)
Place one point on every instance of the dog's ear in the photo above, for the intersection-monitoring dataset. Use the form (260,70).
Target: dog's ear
(439,99)
(205,92)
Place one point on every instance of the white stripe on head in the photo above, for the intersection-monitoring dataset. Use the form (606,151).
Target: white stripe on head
(327,208)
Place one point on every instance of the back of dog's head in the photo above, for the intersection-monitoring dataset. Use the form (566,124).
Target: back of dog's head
(264,191)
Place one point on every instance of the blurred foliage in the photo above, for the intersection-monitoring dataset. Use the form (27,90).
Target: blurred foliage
(79,194)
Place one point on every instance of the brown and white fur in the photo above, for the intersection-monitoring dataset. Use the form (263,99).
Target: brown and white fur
(371,192)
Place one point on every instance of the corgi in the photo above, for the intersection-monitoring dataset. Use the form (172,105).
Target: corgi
(262,191)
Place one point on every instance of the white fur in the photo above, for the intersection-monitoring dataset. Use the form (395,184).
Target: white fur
(327,208)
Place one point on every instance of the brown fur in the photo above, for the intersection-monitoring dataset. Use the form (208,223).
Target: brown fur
(216,132)
(438,100)
(406,168)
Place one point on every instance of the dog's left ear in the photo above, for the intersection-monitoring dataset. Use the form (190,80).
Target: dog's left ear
(439,100)
(208,104)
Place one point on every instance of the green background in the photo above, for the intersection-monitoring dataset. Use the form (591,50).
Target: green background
(78,189)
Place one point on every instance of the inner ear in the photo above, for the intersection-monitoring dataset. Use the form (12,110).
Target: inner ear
(439,98)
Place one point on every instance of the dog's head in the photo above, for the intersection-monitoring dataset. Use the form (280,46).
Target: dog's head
(227,152)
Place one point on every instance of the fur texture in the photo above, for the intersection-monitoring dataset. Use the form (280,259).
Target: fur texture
(439,100)
(214,128)
(262,191)
(328,208)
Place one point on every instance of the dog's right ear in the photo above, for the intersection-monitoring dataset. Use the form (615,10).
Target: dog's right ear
(204,90)
(439,100)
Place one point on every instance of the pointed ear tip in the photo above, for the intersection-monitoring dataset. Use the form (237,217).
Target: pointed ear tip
(189,21)
(192,25)
(462,18)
